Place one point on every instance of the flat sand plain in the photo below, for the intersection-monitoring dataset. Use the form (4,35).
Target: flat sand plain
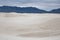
(30,25)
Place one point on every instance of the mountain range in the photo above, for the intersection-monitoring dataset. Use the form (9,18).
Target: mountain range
(26,10)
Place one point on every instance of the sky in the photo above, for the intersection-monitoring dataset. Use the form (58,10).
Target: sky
(41,4)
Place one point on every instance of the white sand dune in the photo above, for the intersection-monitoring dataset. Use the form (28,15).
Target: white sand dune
(29,26)
(7,37)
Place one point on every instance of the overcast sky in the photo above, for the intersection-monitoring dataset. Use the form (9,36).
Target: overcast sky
(42,4)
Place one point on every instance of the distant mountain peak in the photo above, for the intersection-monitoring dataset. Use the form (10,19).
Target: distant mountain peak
(55,10)
(26,9)
(21,9)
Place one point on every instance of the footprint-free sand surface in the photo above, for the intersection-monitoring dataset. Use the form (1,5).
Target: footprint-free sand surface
(15,26)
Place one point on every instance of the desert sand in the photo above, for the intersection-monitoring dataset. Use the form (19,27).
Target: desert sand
(17,26)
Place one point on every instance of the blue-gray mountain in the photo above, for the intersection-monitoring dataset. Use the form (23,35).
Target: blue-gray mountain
(55,10)
(26,10)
